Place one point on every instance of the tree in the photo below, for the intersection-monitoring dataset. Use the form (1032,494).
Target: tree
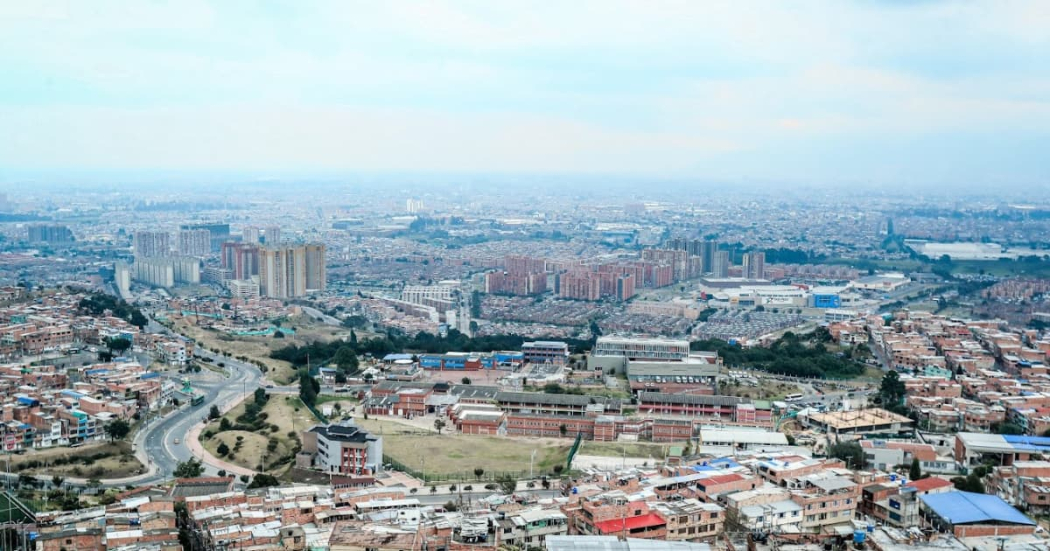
(26,480)
(188,469)
(558,469)
(57,481)
(278,334)
(850,452)
(223,449)
(117,344)
(433,490)
(345,359)
(891,390)
(507,484)
(450,506)
(478,471)
(263,480)
(213,413)
(439,424)
(244,478)
(915,472)
(1007,428)
(222,473)
(225,424)
(465,380)
(563,429)
(308,387)
(117,429)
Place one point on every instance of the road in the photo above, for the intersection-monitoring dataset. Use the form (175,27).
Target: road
(159,438)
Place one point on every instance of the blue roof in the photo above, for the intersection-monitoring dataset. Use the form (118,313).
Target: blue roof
(1027,440)
(1028,443)
(968,508)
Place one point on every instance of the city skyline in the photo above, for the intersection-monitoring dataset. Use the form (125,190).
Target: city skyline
(873,93)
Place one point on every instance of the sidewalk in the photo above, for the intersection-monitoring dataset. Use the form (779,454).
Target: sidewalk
(194,445)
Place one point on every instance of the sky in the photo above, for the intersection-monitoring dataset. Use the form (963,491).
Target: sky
(841,92)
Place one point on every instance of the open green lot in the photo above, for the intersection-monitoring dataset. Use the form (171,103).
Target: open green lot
(283,420)
(455,456)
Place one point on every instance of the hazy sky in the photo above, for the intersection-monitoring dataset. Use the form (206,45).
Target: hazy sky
(864,91)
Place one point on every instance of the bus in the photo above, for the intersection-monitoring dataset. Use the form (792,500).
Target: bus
(197,400)
(793,397)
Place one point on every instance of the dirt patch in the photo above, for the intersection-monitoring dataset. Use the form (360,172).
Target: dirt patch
(767,389)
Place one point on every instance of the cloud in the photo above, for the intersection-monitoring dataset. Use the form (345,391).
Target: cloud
(592,86)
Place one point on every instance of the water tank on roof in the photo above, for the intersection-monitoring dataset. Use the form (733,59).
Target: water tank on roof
(858,537)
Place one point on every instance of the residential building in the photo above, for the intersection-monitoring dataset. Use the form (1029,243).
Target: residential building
(343,448)
(150,244)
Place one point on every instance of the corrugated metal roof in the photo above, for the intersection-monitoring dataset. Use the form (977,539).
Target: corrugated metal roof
(970,508)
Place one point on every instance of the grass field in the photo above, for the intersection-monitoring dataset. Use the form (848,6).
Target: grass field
(456,455)
(253,449)
(103,460)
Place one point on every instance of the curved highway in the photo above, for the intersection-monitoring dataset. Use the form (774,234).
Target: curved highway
(159,449)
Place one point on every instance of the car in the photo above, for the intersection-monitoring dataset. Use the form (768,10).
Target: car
(269,386)
(176,441)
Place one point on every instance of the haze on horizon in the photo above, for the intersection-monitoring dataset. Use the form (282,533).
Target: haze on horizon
(879,93)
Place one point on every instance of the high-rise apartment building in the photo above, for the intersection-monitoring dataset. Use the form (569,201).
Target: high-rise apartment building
(122,277)
(316,271)
(251,234)
(273,235)
(755,265)
(720,266)
(625,286)
(242,259)
(413,205)
(707,255)
(219,232)
(167,271)
(288,271)
(194,242)
(52,234)
(152,244)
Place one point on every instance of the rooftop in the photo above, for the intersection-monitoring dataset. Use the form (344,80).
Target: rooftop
(970,508)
